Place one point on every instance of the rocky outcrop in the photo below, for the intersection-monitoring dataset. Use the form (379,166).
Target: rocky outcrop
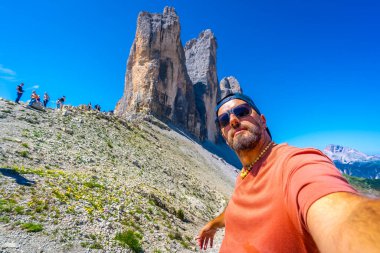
(229,85)
(156,80)
(201,67)
(174,83)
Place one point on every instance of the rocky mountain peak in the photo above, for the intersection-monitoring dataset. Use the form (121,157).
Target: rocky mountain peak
(345,154)
(156,80)
(173,83)
(353,162)
(201,66)
(229,85)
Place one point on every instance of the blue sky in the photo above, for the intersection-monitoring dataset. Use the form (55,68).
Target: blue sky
(313,67)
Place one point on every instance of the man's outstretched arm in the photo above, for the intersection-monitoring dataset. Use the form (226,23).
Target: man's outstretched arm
(207,233)
(345,222)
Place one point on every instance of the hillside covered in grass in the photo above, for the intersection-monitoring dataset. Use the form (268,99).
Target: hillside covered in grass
(74,180)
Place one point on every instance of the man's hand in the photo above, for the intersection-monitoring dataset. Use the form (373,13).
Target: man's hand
(207,233)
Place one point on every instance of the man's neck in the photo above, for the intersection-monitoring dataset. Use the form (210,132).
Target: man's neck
(248,156)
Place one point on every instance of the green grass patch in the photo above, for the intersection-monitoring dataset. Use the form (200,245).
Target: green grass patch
(24,153)
(7,205)
(37,134)
(175,236)
(180,215)
(363,183)
(19,209)
(25,133)
(96,245)
(130,239)
(5,219)
(39,171)
(93,184)
(25,145)
(32,227)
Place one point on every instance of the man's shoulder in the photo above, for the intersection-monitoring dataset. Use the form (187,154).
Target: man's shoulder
(285,148)
(290,153)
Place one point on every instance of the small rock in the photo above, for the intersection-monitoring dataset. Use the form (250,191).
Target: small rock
(9,245)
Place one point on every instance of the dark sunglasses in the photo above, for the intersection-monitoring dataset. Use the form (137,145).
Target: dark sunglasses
(239,111)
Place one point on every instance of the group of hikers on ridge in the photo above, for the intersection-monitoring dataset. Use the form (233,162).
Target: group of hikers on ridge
(35,100)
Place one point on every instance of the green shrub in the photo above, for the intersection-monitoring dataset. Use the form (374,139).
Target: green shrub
(19,209)
(32,227)
(92,184)
(176,236)
(4,219)
(24,153)
(25,145)
(180,215)
(96,245)
(7,205)
(130,239)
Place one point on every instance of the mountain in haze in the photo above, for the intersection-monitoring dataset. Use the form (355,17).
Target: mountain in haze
(353,162)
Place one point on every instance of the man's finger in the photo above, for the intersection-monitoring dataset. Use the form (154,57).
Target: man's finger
(205,244)
(200,242)
(211,242)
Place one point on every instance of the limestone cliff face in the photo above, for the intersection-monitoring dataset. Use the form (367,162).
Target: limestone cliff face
(229,85)
(156,80)
(172,82)
(201,67)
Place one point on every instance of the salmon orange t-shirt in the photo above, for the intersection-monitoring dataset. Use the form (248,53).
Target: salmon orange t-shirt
(267,210)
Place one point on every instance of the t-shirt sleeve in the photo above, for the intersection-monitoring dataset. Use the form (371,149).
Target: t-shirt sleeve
(310,175)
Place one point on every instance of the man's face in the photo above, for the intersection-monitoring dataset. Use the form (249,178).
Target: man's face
(242,133)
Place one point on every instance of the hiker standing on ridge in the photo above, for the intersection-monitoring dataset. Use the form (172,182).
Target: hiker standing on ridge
(20,91)
(286,199)
(60,102)
(46,99)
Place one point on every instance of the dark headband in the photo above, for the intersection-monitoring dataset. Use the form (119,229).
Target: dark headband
(236,96)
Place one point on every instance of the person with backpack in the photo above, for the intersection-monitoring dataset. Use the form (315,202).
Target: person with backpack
(60,102)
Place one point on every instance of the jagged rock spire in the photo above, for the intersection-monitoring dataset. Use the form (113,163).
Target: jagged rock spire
(229,85)
(201,67)
(156,79)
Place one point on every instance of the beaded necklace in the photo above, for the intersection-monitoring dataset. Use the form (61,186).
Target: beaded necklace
(244,172)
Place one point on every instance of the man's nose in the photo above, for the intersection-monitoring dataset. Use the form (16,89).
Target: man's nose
(234,121)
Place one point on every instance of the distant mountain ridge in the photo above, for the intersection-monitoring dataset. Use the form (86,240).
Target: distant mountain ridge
(353,162)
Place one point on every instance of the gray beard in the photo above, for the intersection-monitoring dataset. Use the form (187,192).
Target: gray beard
(247,141)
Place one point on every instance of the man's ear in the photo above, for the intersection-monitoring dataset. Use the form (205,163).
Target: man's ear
(263,120)
(224,137)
